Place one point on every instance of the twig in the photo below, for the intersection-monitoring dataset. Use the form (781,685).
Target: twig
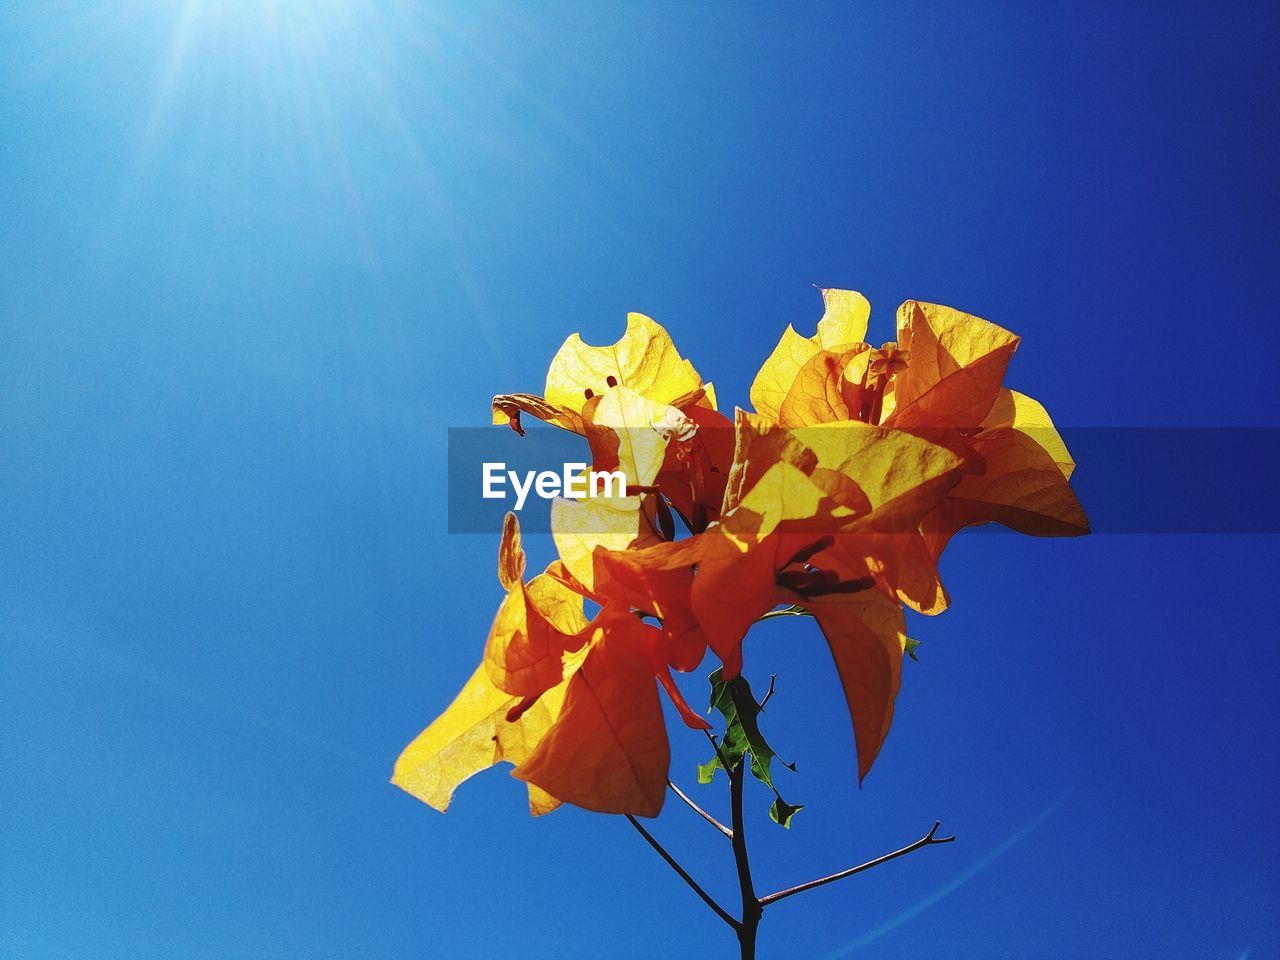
(706,897)
(699,811)
(929,839)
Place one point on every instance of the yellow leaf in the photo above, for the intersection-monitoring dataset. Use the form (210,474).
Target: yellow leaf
(758,445)
(900,562)
(900,475)
(644,360)
(1020,487)
(843,325)
(784,493)
(629,432)
(844,320)
(778,372)
(472,735)
(827,389)
(580,527)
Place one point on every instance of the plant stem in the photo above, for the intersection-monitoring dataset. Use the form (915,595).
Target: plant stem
(753,906)
(752,909)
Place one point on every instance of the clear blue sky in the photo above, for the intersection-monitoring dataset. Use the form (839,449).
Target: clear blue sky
(256,258)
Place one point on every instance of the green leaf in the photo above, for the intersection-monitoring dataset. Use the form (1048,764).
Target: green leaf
(911,649)
(781,812)
(742,738)
(791,611)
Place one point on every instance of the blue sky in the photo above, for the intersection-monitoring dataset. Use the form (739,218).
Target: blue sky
(257,258)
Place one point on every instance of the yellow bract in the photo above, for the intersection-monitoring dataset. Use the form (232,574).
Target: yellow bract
(644,360)
(866,635)
(955,368)
(1017,410)
(629,432)
(472,735)
(581,527)
(843,324)
(844,320)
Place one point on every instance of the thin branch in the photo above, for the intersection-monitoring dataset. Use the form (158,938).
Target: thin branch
(699,811)
(706,897)
(928,840)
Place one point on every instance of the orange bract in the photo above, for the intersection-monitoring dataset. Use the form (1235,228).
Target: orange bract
(837,497)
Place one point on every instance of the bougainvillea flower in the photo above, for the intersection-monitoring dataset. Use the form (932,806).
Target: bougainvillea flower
(532,687)
(842,328)
(889,479)
(793,495)
(953,379)
(836,499)
(952,368)
(716,584)
(696,469)
(606,748)
(582,527)
(709,588)
(515,695)
(1023,482)
(943,380)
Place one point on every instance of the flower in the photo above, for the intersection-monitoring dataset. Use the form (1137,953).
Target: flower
(836,499)
(943,380)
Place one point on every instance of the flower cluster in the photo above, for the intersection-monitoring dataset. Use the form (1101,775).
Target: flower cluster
(835,497)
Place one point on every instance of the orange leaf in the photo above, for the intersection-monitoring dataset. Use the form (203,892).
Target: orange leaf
(1022,487)
(535,627)
(608,750)
(866,634)
(955,368)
